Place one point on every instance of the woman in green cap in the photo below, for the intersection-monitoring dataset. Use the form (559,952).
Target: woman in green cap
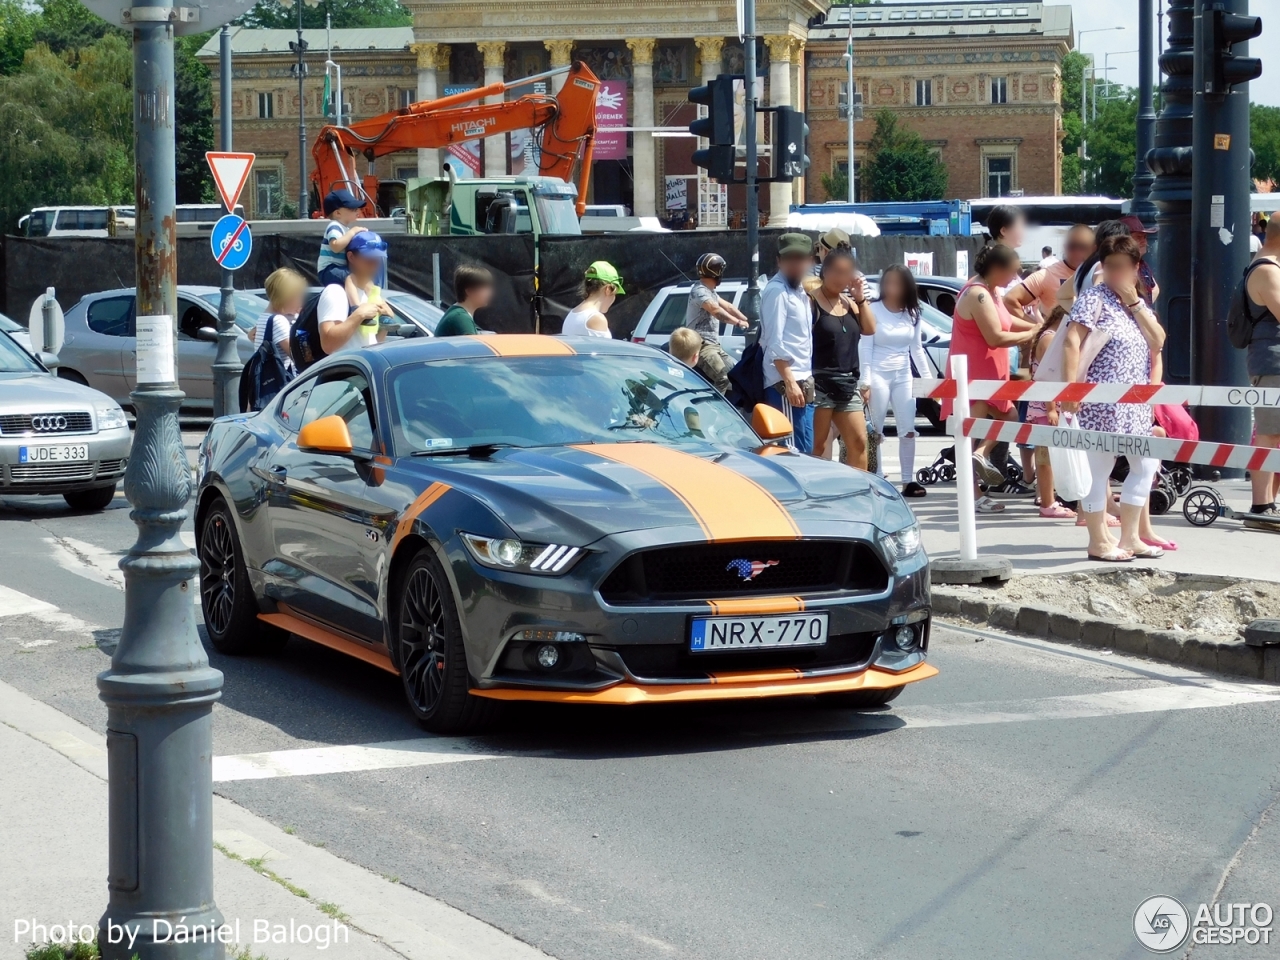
(601,284)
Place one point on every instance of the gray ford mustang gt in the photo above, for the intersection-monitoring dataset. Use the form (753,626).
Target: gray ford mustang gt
(539,518)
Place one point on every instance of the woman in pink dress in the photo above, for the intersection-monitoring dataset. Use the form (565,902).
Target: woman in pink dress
(982,330)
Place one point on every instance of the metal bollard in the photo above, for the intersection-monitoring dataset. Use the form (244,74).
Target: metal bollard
(49,313)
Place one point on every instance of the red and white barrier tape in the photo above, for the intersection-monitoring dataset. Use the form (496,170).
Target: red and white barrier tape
(1123,444)
(1017,390)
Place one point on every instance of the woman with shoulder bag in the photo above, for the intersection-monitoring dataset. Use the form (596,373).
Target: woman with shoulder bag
(838,324)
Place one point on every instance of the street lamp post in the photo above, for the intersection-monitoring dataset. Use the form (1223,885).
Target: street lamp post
(159,690)
(749,131)
(1143,178)
(1084,90)
(299,47)
(850,105)
(226,362)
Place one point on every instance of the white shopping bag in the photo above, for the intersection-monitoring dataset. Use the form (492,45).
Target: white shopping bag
(1071,476)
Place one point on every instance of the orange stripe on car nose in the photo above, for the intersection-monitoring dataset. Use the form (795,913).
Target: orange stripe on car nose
(526,345)
(754,605)
(727,505)
(425,499)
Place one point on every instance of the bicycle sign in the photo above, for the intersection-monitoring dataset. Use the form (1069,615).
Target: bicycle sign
(231,242)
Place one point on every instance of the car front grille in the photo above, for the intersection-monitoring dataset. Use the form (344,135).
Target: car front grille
(47,472)
(43,424)
(671,661)
(707,571)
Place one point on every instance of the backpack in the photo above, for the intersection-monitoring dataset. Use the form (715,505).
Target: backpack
(1240,319)
(265,373)
(304,340)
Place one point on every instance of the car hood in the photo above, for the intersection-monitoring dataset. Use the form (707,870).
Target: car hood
(25,392)
(581,493)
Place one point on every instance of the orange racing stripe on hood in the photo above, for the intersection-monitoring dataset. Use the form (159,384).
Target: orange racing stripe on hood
(727,505)
(415,510)
(526,345)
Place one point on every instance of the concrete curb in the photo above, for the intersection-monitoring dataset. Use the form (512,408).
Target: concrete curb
(1196,651)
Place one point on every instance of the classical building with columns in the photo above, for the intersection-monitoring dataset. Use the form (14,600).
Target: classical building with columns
(980,82)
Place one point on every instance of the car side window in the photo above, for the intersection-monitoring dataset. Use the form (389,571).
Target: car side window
(945,302)
(292,404)
(344,394)
(671,313)
(112,316)
(191,318)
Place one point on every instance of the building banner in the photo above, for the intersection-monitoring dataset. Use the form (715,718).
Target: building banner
(611,111)
(466,153)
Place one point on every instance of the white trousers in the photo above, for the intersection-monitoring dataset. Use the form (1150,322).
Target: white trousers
(1137,486)
(893,386)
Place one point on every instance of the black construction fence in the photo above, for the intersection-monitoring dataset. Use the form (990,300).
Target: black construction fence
(75,266)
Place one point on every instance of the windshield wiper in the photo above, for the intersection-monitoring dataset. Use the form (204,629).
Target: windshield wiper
(477,451)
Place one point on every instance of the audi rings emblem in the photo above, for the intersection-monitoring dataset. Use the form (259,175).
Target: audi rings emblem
(49,424)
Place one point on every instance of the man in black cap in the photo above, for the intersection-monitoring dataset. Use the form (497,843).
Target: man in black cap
(786,336)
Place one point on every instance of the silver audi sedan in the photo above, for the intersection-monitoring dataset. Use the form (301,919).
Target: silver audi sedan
(57,436)
(99,346)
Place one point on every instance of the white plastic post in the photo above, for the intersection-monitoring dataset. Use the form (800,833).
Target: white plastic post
(964,461)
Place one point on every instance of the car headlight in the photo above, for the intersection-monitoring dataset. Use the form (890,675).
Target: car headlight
(903,544)
(111,418)
(507,554)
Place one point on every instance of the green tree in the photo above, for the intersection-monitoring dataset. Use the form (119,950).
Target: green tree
(68,25)
(1112,144)
(68,123)
(346,13)
(901,166)
(1264,134)
(193,121)
(17,33)
(836,185)
(1073,67)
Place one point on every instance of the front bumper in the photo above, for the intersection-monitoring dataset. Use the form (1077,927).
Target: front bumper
(108,457)
(637,653)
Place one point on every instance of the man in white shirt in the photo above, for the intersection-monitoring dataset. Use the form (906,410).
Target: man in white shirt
(1047,259)
(786,337)
(349,326)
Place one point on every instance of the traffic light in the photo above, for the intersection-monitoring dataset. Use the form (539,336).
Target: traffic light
(1222,69)
(717,97)
(791,137)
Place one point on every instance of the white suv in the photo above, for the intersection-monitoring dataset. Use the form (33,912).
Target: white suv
(665,314)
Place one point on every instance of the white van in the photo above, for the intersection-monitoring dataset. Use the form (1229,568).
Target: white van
(72,221)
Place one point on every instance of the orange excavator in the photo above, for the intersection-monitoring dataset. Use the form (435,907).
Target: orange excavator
(564,125)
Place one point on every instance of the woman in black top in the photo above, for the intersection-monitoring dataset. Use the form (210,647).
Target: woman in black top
(838,321)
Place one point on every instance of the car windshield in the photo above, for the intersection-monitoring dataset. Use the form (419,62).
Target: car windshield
(249,307)
(557,212)
(7,325)
(417,310)
(546,401)
(13,359)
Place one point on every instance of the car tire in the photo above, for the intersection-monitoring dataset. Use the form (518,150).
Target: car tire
(226,596)
(861,699)
(99,498)
(430,655)
(71,375)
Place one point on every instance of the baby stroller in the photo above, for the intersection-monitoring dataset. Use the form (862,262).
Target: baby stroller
(942,470)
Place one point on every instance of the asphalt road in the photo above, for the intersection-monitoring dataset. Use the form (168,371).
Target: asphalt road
(1022,804)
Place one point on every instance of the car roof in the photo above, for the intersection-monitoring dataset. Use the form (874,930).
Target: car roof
(190,289)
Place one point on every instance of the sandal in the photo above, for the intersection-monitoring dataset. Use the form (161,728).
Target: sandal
(1166,545)
(1057,512)
(1113,555)
(1147,553)
(914,489)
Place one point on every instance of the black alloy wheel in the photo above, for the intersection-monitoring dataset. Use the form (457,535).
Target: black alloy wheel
(430,655)
(226,596)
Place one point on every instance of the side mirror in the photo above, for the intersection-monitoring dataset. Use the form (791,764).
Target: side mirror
(408,331)
(769,423)
(327,435)
(207,334)
(50,360)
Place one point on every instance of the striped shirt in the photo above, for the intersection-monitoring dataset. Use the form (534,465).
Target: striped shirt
(328,256)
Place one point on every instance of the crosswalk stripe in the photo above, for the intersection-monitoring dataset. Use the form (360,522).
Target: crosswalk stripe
(344,759)
(13,603)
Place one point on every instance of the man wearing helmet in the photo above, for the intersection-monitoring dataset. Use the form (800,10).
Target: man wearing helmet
(705,312)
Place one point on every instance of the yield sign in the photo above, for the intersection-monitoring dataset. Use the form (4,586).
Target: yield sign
(230,172)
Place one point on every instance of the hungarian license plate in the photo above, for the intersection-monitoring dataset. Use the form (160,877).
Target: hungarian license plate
(711,634)
(63,453)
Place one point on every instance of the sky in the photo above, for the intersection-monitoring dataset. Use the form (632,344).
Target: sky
(1088,14)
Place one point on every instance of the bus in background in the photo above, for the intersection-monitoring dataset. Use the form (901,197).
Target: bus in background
(1049,219)
(73,221)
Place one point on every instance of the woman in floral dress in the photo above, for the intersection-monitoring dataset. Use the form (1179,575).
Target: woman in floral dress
(1115,312)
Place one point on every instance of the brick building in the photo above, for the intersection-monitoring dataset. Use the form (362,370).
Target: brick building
(980,82)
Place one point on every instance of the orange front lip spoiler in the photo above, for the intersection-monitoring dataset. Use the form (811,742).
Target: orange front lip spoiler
(727,686)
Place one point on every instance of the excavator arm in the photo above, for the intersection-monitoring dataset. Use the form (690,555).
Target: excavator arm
(565,124)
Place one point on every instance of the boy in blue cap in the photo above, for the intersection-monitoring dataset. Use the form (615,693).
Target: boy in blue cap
(342,207)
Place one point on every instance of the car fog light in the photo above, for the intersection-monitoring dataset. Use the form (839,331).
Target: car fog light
(905,637)
(548,656)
